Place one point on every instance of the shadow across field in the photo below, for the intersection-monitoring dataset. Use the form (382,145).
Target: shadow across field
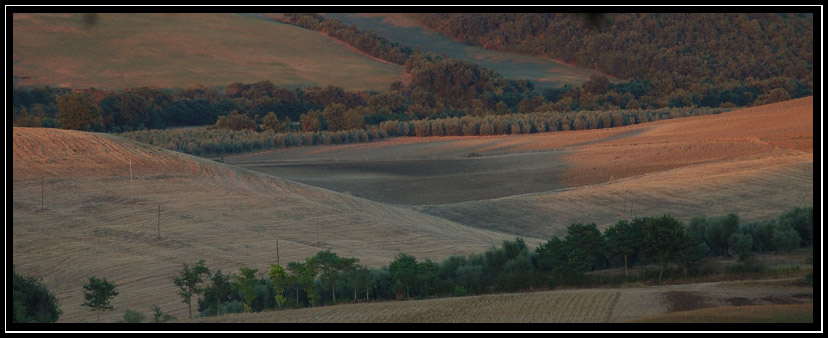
(422,181)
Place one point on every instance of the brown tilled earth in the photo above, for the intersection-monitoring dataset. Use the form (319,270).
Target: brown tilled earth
(562,306)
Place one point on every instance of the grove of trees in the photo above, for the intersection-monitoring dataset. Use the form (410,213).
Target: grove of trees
(678,250)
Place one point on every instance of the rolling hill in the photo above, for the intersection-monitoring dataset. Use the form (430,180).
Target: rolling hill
(757,162)
(181,50)
(100,216)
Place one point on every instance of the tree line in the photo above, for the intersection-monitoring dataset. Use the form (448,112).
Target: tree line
(440,87)
(676,249)
(224,138)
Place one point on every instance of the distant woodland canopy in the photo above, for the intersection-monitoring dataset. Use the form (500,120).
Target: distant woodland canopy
(687,57)
(664,61)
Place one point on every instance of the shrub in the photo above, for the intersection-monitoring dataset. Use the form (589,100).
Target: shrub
(785,238)
(132,316)
(459,291)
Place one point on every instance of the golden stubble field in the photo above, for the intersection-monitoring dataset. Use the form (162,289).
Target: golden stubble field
(95,220)
(90,224)
(757,162)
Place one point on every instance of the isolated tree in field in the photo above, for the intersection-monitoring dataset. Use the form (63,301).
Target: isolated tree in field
(280,280)
(189,282)
(221,288)
(623,239)
(33,303)
(404,273)
(77,111)
(98,294)
(245,283)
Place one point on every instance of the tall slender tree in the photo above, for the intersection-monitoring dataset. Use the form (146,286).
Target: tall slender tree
(189,281)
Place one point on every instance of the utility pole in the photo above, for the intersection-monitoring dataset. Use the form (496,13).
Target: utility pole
(131,186)
(159,221)
(277,252)
(41,192)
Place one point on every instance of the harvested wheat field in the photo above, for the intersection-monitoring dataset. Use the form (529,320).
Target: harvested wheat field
(95,220)
(757,162)
(563,306)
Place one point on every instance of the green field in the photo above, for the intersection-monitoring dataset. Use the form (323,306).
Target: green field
(543,72)
(181,50)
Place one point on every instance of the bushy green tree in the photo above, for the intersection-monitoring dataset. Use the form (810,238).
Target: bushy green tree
(32,301)
(332,268)
(359,278)
(302,274)
(719,230)
(742,245)
(220,288)
(801,220)
(785,238)
(585,243)
(553,256)
(98,295)
(663,239)
(280,280)
(245,283)
(404,273)
(623,239)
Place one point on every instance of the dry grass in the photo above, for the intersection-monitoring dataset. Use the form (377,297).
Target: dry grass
(230,217)
(757,162)
(183,49)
